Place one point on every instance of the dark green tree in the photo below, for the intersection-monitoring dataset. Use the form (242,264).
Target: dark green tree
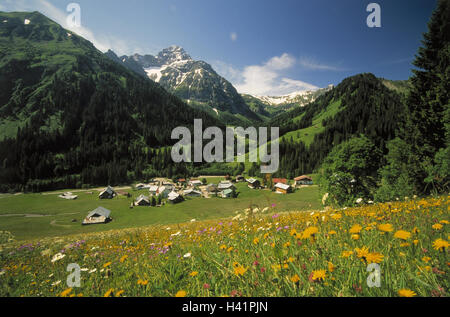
(349,172)
(427,119)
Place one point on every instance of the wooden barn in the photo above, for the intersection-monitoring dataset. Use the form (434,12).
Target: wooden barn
(175,198)
(253,183)
(142,201)
(283,188)
(108,193)
(303,180)
(97,216)
(225,185)
(227,193)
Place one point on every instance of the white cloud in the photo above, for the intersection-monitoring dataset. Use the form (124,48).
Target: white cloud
(228,71)
(101,42)
(265,80)
(310,63)
(233,36)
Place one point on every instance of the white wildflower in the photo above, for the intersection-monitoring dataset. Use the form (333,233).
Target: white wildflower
(57,257)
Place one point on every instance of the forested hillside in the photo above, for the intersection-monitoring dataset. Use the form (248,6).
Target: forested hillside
(70,116)
(361,104)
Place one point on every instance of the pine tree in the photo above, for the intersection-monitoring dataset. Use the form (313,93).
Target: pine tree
(427,124)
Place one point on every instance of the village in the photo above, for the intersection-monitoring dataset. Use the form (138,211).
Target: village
(160,191)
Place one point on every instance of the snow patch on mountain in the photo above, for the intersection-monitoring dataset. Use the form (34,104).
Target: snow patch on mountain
(299,97)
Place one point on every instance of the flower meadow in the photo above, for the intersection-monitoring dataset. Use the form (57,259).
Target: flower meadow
(254,253)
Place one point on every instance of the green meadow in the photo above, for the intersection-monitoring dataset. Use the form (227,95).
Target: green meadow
(33,216)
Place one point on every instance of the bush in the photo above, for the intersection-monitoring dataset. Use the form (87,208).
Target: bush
(350,170)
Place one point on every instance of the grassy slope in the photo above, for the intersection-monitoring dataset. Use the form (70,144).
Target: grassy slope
(61,212)
(307,135)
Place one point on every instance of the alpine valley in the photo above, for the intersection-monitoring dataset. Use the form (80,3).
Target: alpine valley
(72,116)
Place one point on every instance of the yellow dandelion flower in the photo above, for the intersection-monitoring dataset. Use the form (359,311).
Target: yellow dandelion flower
(346,254)
(386,227)
(374,257)
(355,236)
(440,244)
(291,259)
(293,232)
(402,234)
(109,292)
(119,293)
(355,229)
(256,241)
(444,222)
(223,247)
(194,273)
(416,242)
(437,226)
(240,270)
(426,259)
(336,216)
(332,232)
(318,275)
(287,245)
(181,294)
(308,232)
(107,264)
(295,278)
(123,258)
(276,267)
(142,282)
(230,249)
(415,230)
(406,293)
(331,267)
(66,292)
(405,244)
(362,253)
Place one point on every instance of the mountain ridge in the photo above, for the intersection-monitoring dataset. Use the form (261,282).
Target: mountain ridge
(191,80)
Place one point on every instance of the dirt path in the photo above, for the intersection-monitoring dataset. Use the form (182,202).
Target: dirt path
(54,224)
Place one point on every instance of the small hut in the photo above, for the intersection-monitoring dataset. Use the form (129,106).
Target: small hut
(142,201)
(283,188)
(97,216)
(303,180)
(227,193)
(192,193)
(175,198)
(68,196)
(253,183)
(108,193)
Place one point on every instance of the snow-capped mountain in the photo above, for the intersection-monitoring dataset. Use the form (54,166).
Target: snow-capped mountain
(191,80)
(299,98)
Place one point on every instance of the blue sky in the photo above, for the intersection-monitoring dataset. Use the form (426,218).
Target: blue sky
(262,47)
